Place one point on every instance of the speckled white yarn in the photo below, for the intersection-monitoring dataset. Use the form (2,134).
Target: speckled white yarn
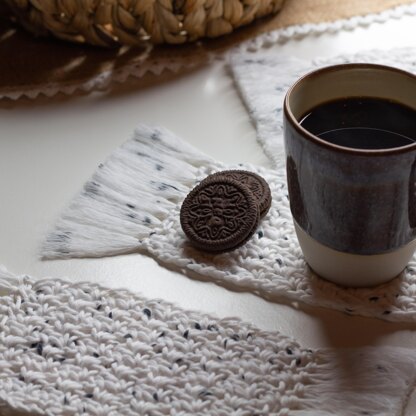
(77,348)
(263,95)
(132,203)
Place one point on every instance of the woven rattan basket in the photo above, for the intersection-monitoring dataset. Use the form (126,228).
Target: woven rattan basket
(134,22)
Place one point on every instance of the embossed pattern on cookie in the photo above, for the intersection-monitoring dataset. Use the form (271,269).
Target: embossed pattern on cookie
(219,214)
(257,185)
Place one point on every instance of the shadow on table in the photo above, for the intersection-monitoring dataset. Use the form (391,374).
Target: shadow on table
(351,328)
(45,66)
(338,329)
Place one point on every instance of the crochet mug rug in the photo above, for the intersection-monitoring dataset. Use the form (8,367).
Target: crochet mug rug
(132,204)
(263,95)
(60,67)
(77,348)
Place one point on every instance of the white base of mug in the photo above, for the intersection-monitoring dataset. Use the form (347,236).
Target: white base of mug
(353,270)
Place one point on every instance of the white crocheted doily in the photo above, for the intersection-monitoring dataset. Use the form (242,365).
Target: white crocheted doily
(263,94)
(132,203)
(77,348)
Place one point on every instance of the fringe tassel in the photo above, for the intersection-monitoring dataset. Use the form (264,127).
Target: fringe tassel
(365,381)
(117,208)
(8,281)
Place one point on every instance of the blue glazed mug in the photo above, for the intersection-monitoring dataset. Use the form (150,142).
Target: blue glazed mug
(354,209)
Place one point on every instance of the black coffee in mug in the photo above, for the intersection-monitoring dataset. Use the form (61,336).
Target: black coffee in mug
(351,170)
(362,123)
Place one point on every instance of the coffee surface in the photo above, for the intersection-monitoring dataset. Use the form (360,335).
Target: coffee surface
(362,123)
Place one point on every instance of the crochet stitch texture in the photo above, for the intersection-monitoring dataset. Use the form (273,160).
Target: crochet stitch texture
(77,348)
(132,204)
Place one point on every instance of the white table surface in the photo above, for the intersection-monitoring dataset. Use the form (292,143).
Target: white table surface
(48,149)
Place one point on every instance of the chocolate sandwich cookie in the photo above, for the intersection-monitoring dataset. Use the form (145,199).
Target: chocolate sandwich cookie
(257,185)
(219,214)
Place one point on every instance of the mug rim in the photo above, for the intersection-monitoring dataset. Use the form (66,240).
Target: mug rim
(315,139)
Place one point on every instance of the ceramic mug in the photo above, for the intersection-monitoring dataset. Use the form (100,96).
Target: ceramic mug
(354,209)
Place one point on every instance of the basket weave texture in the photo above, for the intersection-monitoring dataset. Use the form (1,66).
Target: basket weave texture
(134,22)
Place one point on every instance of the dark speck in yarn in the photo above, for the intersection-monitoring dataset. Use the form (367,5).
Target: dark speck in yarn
(63,237)
(21,378)
(39,348)
(132,216)
(386,312)
(156,397)
(298,361)
(98,307)
(152,233)
(147,312)
(373,298)
(261,257)
(110,315)
(279,261)
(235,337)
(133,393)
(289,351)
(162,334)
(159,167)
(131,206)
(128,336)
(204,393)
(89,395)
(155,136)
(65,400)
(197,326)
(260,234)
(212,328)
(185,334)
(92,188)
(95,355)
(163,186)
(147,220)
